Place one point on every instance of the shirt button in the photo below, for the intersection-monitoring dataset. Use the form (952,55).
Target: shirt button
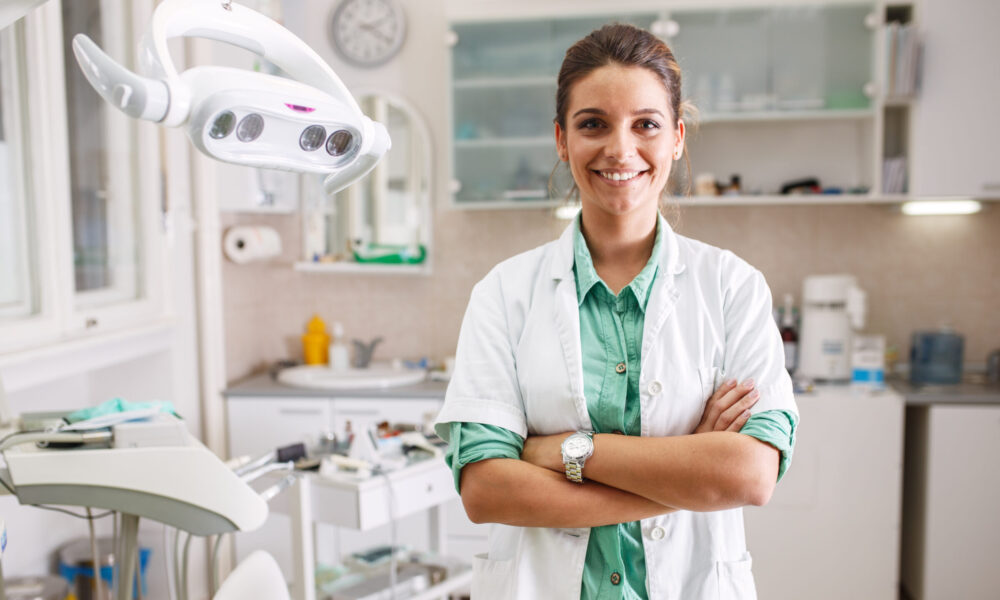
(616,578)
(655,387)
(657,533)
(620,368)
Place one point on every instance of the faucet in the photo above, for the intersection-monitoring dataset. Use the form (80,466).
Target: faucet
(363,352)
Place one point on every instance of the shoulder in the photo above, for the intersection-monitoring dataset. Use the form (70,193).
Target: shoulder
(708,263)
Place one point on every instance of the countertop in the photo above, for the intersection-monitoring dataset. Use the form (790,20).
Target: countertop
(972,390)
(261,386)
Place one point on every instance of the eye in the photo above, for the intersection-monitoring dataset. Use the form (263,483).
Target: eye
(647,124)
(589,124)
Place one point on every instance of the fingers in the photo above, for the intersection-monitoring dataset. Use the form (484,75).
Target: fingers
(735,412)
(722,390)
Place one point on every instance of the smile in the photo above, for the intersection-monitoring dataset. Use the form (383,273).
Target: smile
(619,175)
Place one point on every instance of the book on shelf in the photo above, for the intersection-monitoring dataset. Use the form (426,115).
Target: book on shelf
(902,59)
(894,175)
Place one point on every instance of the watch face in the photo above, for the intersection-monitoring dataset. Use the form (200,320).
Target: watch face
(368,32)
(577,446)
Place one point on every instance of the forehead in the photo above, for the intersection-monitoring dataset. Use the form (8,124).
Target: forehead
(614,87)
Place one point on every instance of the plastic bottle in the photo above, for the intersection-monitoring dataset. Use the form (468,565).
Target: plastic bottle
(789,335)
(339,359)
(315,342)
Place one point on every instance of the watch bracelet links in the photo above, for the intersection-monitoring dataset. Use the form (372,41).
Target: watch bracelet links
(574,472)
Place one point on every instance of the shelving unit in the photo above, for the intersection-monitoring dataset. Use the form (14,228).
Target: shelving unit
(364,505)
(805,72)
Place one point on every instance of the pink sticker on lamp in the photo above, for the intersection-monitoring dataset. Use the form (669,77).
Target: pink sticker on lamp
(299,108)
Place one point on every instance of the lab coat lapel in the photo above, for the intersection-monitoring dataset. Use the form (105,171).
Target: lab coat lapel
(566,318)
(664,294)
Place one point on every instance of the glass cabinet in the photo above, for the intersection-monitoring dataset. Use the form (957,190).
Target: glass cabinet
(740,64)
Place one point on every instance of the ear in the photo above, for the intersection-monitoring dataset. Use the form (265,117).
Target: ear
(679,142)
(561,144)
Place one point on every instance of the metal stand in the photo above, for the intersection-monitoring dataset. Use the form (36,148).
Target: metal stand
(129,547)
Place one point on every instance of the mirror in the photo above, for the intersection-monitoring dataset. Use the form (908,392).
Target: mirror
(384,218)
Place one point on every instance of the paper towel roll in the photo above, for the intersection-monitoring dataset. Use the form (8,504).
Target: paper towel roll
(248,244)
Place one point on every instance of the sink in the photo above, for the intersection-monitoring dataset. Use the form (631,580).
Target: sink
(374,377)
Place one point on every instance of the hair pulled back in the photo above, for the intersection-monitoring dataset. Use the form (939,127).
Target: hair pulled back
(628,46)
(624,45)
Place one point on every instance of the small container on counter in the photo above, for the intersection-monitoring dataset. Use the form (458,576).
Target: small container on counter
(936,357)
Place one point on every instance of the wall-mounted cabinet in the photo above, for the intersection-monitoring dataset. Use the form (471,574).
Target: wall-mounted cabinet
(954,122)
(784,93)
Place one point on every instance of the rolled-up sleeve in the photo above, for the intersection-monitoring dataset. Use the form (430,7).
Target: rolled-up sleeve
(473,442)
(777,428)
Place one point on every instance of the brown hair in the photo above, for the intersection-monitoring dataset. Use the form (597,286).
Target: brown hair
(628,46)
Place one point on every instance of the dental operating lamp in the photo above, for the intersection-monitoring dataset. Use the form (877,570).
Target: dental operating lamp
(306,122)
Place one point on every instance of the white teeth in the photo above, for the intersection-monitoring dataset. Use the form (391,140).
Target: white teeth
(619,176)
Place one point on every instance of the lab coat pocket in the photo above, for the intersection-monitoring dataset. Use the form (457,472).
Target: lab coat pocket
(736,579)
(492,579)
(709,381)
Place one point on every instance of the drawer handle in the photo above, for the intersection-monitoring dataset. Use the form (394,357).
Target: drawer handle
(300,411)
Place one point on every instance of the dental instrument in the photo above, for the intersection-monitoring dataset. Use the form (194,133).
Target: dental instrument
(306,122)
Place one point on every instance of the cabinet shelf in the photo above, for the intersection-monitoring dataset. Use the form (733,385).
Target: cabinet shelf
(788,115)
(479,83)
(505,142)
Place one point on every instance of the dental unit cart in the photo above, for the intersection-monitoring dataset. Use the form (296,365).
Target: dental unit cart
(150,468)
(263,413)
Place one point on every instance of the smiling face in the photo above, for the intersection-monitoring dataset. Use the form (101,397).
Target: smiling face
(620,139)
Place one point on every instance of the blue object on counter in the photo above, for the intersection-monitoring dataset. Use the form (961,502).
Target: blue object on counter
(936,358)
(117,405)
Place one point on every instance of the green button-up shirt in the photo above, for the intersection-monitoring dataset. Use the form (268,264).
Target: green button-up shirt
(611,329)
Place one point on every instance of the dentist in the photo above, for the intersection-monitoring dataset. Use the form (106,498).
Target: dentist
(585,415)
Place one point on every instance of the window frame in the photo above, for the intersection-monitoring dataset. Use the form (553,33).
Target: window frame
(65,315)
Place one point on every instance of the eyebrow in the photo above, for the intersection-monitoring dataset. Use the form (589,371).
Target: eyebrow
(598,111)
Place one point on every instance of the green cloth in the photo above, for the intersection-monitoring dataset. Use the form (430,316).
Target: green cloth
(117,405)
(610,332)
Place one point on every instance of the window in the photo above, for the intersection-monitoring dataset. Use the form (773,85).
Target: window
(18,288)
(102,164)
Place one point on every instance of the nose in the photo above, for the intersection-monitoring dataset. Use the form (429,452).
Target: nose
(621,145)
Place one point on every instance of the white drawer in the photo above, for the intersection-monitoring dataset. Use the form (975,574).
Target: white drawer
(364,412)
(257,425)
(364,505)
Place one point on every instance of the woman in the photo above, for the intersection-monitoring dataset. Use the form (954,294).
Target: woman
(581,414)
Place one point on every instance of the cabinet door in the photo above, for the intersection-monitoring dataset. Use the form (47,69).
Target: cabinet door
(961,502)
(835,516)
(955,127)
(258,425)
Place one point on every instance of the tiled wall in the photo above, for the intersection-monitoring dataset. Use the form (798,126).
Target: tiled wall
(919,272)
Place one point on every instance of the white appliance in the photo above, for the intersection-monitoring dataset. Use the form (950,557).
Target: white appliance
(833,308)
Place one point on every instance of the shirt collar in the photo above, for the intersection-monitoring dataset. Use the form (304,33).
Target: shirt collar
(587,277)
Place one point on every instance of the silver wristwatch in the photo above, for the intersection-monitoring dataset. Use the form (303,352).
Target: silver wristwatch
(576,449)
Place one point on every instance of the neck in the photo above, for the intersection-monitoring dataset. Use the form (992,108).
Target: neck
(624,240)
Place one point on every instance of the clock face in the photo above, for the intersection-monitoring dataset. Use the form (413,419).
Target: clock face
(368,32)
(577,447)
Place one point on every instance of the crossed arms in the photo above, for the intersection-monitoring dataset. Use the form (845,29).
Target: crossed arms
(629,477)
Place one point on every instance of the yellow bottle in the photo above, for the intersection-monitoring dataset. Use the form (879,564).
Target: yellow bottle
(315,342)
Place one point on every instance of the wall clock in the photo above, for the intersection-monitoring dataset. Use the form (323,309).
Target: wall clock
(368,33)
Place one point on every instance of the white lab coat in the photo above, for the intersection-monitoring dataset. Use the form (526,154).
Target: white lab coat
(518,366)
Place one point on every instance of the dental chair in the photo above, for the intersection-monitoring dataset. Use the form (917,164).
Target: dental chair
(258,576)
